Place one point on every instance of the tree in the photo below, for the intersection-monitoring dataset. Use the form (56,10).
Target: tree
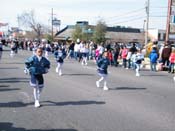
(99,32)
(77,34)
(82,33)
(28,20)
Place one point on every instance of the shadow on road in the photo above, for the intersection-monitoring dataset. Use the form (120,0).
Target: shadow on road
(51,103)
(13,80)
(154,75)
(127,88)
(78,74)
(14,104)
(9,68)
(22,63)
(4,86)
(6,126)
(8,89)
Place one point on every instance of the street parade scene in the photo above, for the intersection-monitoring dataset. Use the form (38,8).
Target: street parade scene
(65,66)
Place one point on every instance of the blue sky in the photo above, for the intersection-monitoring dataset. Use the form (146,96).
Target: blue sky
(113,12)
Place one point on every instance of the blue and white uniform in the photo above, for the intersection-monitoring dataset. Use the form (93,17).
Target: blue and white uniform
(37,66)
(84,50)
(47,50)
(102,64)
(59,59)
(137,60)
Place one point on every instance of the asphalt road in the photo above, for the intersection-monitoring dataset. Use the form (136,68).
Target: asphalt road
(72,102)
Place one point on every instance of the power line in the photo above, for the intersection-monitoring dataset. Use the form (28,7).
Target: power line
(127,13)
(128,17)
(130,20)
(158,7)
(159,16)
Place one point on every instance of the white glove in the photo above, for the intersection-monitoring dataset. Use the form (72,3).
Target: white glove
(26,71)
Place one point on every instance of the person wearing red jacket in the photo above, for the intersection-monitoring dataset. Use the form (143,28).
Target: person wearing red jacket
(110,57)
(172,62)
(124,53)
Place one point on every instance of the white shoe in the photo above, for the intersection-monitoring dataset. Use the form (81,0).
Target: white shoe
(105,88)
(37,104)
(138,74)
(174,78)
(60,74)
(98,84)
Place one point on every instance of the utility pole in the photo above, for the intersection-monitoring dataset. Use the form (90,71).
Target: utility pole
(52,22)
(147,21)
(168,20)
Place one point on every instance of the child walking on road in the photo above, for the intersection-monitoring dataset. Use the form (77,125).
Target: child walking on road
(59,59)
(37,65)
(137,59)
(102,64)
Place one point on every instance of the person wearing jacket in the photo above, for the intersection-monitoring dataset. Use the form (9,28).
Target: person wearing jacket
(166,54)
(37,65)
(124,53)
(1,49)
(172,62)
(137,59)
(59,59)
(102,64)
(153,59)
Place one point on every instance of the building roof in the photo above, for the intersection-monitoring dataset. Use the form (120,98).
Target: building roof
(115,33)
(123,29)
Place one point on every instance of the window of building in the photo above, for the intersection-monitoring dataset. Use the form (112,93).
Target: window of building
(164,36)
(159,36)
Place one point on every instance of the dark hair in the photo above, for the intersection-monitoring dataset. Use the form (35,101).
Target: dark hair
(39,48)
(154,48)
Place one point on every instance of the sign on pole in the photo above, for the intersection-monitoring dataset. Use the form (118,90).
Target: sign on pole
(56,22)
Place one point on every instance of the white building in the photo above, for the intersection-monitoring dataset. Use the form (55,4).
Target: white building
(157,35)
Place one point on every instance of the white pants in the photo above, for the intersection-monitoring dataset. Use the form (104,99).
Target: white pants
(59,68)
(37,93)
(137,68)
(12,53)
(103,78)
(84,61)
(47,54)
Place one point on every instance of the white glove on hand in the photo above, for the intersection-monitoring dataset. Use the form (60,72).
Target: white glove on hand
(26,71)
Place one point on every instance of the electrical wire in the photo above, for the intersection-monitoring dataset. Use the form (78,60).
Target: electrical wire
(130,20)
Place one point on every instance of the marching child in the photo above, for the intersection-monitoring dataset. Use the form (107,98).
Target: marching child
(137,59)
(13,47)
(59,59)
(37,65)
(47,50)
(102,64)
(85,52)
